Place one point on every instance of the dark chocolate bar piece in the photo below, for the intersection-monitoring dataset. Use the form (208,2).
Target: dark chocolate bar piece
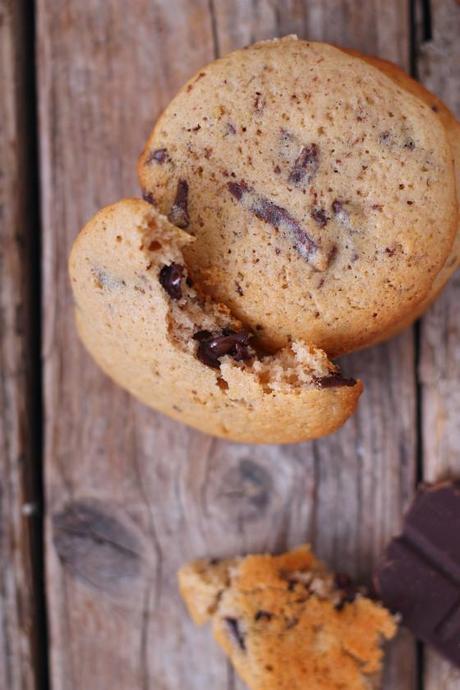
(419,575)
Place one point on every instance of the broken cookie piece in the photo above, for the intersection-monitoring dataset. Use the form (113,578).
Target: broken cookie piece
(286,622)
(157,335)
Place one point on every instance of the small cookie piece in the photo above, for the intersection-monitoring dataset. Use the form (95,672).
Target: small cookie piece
(452,127)
(175,349)
(419,575)
(321,195)
(286,622)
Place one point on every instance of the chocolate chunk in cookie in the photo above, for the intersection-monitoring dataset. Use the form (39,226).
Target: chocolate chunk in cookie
(306,166)
(171,279)
(178,215)
(213,346)
(280,219)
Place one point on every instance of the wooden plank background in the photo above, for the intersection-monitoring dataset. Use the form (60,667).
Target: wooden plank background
(439,69)
(130,495)
(22,654)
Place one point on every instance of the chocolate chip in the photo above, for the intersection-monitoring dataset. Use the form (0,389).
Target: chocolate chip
(409,144)
(178,214)
(276,216)
(384,137)
(347,597)
(334,381)
(306,165)
(171,280)
(259,102)
(213,346)
(348,591)
(214,561)
(237,189)
(159,156)
(332,254)
(291,623)
(236,633)
(319,216)
(337,206)
(148,197)
(202,335)
(231,128)
(263,615)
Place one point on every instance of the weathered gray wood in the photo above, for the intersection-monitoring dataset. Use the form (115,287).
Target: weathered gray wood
(131,494)
(18,660)
(439,62)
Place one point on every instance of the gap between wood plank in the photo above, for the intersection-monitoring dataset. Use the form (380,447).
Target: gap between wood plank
(420,30)
(35,383)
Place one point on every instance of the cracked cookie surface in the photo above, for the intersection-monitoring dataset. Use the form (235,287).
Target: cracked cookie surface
(156,334)
(321,195)
(287,623)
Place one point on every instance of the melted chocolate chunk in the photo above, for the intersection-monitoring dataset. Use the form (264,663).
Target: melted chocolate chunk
(178,214)
(237,189)
(263,615)
(202,335)
(171,280)
(320,217)
(337,206)
(159,156)
(235,632)
(306,165)
(213,346)
(148,197)
(276,216)
(348,591)
(334,381)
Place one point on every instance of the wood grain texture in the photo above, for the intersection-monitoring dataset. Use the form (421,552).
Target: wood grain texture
(130,494)
(18,456)
(438,63)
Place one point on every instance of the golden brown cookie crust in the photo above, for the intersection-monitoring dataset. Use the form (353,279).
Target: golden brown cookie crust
(314,188)
(452,127)
(144,340)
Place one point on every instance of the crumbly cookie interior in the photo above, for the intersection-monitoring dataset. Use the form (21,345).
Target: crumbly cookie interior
(297,365)
(286,619)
